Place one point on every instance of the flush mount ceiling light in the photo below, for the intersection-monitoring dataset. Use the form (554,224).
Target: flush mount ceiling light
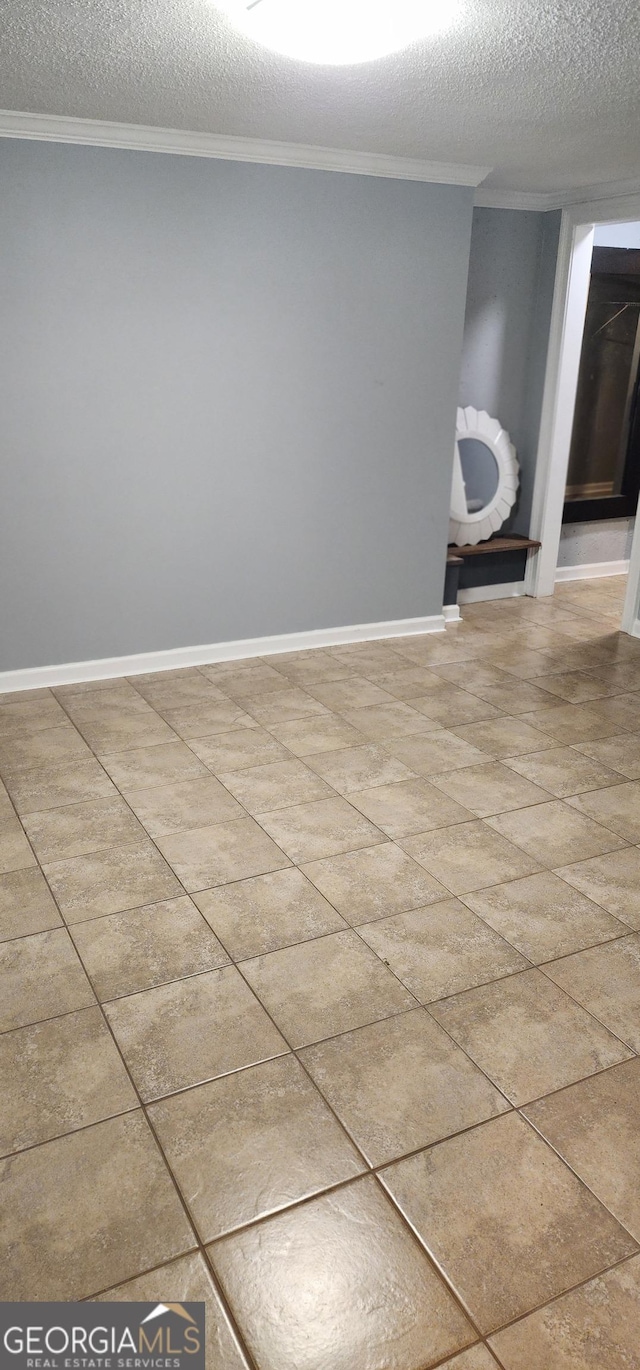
(339,32)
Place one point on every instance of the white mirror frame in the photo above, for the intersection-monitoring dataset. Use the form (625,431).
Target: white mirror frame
(469,528)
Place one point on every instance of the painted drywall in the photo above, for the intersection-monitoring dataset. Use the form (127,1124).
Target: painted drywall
(617,235)
(227,398)
(584,544)
(510,294)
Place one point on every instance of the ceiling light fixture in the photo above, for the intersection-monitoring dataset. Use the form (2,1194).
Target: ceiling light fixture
(339,32)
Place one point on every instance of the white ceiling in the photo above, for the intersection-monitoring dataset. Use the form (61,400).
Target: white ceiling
(546,92)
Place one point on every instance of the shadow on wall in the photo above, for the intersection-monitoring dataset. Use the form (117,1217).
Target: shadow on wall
(506,332)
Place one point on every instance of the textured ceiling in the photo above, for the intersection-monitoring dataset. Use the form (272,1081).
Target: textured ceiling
(547,92)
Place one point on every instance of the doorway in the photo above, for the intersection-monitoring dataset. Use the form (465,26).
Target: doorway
(588,470)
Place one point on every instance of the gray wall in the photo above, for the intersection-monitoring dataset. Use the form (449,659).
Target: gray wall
(584,544)
(227,399)
(511,279)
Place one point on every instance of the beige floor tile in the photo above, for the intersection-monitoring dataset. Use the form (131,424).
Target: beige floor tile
(79,829)
(522,662)
(374,882)
(407,683)
(123,730)
(29,716)
(613,881)
(569,723)
(49,787)
(121,700)
(184,805)
(594,1326)
(595,1126)
(435,753)
(505,1219)
(617,678)
(472,675)
(370,656)
(528,1036)
(499,738)
(382,721)
(359,768)
(513,696)
(26,905)
(204,720)
(440,950)
(257,679)
(620,754)
(111,881)
(617,808)
(41,977)
(307,832)
(147,767)
(190,688)
(563,771)
(15,852)
(342,1282)
(407,807)
(192,1030)
(127,952)
(59,1076)
(468,856)
(280,706)
(57,746)
(236,750)
(478,1357)
(303,668)
(353,693)
(450,707)
(255,916)
(555,833)
(620,712)
(309,736)
(215,855)
(575,687)
(185,1280)
(252,1143)
(606,980)
(543,916)
(329,985)
(6,807)
(489,789)
(90,1227)
(278,785)
(400,1084)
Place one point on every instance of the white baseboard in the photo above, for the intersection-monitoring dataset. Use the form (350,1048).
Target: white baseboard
(451,613)
(510,589)
(592,570)
(34,677)
(634,631)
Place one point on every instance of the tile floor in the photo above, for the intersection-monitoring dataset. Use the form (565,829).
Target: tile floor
(321,995)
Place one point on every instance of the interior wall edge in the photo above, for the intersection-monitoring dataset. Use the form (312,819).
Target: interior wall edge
(105,668)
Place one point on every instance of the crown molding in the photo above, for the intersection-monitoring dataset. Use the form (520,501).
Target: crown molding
(139,137)
(603,192)
(488,198)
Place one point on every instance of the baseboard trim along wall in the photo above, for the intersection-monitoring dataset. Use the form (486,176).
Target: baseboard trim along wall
(451,613)
(72,673)
(510,589)
(592,571)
